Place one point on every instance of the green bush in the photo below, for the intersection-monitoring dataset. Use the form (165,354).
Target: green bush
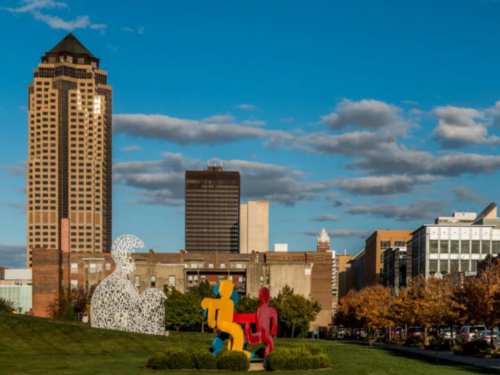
(234,361)
(6,306)
(172,359)
(302,358)
(158,361)
(203,360)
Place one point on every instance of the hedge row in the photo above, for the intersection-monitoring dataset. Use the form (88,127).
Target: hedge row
(303,358)
(181,359)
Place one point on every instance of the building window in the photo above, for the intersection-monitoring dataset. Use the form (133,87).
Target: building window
(399,243)
(137,281)
(485,247)
(92,268)
(385,244)
(443,266)
(475,246)
(444,246)
(432,266)
(454,249)
(171,281)
(107,266)
(433,246)
(495,247)
(464,266)
(465,247)
(152,282)
(74,268)
(74,284)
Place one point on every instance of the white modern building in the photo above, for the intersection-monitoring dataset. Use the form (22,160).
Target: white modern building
(280,248)
(15,287)
(454,244)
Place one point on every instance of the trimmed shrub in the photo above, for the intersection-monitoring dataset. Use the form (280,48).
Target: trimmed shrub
(203,360)
(171,359)
(302,358)
(158,361)
(234,361)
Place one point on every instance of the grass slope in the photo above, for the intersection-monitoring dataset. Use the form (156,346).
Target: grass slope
(40,346)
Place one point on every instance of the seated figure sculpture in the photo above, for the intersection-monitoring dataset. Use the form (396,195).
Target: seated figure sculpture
(117,304)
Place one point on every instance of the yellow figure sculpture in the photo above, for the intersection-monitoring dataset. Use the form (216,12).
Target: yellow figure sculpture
(220,316)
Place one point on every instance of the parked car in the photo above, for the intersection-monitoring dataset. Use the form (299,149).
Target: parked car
(490,336)
(415,332)
(469,333)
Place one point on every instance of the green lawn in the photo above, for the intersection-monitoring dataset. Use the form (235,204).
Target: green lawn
(39,346)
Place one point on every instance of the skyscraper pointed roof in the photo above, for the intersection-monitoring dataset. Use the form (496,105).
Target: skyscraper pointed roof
(70,46)
(323,236)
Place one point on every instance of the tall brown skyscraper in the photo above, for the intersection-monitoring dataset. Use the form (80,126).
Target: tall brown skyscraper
(212,212)
(69,160)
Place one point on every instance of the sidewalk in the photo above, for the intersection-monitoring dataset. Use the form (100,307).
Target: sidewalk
(485,363)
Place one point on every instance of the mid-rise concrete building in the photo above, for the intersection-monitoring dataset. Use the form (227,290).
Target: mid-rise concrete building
(456,245)
(254,226)
(69,152)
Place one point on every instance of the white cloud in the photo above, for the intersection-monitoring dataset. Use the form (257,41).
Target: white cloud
(368,114)
(458,126)
(131,148)
(420,210)
(38,8)
(134,30)
(382,185)
(163,180)
(247,107)
(213,130)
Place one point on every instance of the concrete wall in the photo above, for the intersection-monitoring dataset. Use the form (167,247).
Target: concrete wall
(296,276)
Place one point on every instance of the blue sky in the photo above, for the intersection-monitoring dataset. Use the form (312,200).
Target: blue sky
(347,115)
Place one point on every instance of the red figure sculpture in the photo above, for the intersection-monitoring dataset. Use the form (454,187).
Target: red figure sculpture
(265,320)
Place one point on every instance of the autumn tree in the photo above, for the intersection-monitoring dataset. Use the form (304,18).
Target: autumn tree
(479,297)
(374,304)
(432,302)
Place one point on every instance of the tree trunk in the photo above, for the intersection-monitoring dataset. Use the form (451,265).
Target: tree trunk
(293,330)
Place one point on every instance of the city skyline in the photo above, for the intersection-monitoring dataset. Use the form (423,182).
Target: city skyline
(355,136)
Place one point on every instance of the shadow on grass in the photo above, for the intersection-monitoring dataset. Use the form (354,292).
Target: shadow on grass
(432,360)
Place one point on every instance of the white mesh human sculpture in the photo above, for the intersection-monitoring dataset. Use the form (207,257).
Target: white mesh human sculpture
(116,302)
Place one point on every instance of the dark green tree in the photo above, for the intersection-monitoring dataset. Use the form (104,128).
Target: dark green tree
(6,306)
(247,304)
(295,312)
(182,310)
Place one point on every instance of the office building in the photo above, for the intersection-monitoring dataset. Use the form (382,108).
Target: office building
(212,210)
(69,153)
(254,226)
(394,271)
(456,245)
